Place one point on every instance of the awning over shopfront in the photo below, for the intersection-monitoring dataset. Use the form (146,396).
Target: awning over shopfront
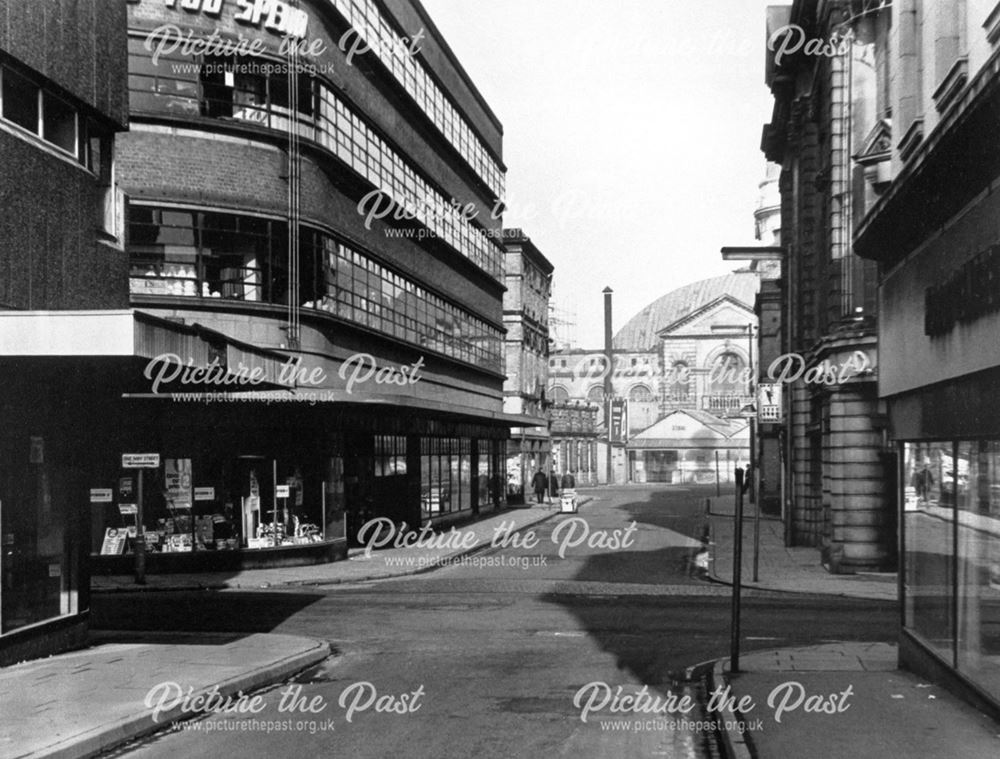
(164,347)
(129,333)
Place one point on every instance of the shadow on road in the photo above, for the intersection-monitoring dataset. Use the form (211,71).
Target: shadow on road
(184,611)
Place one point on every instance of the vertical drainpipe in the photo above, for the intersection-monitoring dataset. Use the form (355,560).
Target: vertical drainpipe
(609,368)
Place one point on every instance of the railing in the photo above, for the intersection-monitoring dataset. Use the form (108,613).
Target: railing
(726,404)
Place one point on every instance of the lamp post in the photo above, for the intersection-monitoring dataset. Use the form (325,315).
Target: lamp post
(608,387)
(752,473)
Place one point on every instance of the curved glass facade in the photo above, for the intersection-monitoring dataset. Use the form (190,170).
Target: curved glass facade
(398,57)
(255,90)
(201,254)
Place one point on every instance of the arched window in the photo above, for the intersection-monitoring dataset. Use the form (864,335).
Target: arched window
(679,382)
(596,394)
(559,394)
(727,375)
(640,394)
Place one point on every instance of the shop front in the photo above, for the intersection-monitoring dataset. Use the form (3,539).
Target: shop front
(225,488)
(939,374)
(950,496)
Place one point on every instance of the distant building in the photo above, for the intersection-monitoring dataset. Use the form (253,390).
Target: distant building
(688,350)
(528,276)
(689,446)
(838,468)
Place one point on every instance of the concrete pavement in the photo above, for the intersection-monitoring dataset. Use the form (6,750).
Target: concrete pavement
(846,700)
(839,699)
(84,702)
(81,703)
(783,568)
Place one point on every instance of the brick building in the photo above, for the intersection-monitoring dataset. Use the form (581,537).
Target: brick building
(309,206)
(62,271)
(304,330)
(528,275)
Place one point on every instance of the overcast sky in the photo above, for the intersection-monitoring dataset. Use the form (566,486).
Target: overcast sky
(631,136)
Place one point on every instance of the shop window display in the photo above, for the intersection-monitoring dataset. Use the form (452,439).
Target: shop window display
(194,505)
(951,497)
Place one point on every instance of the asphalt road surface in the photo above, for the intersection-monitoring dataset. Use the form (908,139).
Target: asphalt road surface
(564,645)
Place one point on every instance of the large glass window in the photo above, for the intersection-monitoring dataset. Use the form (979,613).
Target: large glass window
(171,85)
(978,488)
(446,476)
(400,59)
(211,255)
(929,543)
(951,497)
(256,90)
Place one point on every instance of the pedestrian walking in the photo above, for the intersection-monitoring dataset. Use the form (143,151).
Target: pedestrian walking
(539,484)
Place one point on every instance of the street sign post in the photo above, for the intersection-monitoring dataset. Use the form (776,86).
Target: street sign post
(140,461)
(734,638)
(769,402)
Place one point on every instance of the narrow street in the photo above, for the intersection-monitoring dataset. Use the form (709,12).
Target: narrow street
(486,656)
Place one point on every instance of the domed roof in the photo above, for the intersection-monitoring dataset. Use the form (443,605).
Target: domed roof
(640,331)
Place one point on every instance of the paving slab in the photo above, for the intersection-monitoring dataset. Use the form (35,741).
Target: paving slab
(788,569)
(84,702)
(846,700)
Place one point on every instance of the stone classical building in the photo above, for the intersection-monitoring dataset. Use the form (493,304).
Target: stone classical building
(689,350)
(528,276)
(934,232)
(825,134)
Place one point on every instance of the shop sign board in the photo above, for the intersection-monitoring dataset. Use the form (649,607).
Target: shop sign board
(100,495)
(114,542)
(618,416)
(177,477)
(769,402)
(140,460)
(127,509)
(284,491)
(204,494)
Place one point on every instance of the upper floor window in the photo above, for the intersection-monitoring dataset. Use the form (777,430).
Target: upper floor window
(189,253)
(29,106)
(728,375)
(640,394)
